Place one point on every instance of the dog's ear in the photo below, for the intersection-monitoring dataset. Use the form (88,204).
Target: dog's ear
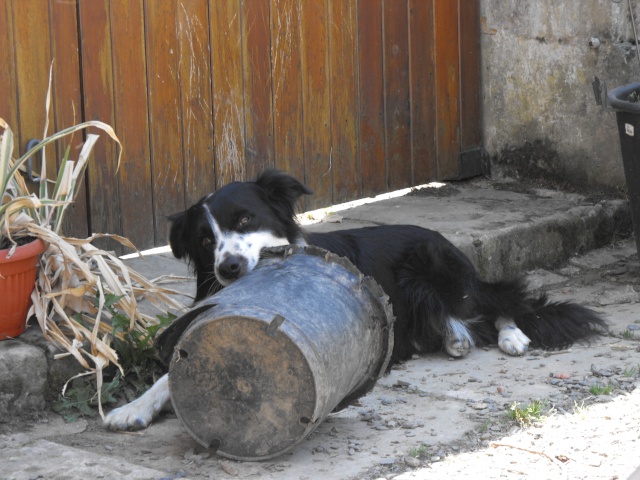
(282,189)
(178,233)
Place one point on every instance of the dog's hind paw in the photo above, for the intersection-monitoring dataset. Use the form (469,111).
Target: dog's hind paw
(456,347)
(512,341)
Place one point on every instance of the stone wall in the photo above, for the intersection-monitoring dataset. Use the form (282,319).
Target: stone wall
(540,114)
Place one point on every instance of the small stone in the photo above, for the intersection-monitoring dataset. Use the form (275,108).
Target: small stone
(412,462)
(601,372)
(387,461)
(479,406)
(229,470)
(435,458)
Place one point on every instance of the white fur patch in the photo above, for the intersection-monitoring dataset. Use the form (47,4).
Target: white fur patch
(139,413)
(459,339)
(511,340)
(245,245)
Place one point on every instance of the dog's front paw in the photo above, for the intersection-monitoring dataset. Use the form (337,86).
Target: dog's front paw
(141,412)
(512,341)
(132,416)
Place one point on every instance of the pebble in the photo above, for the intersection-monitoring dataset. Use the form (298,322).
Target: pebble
(479,406)
(229,470)
(601,372)
(387,461)
(412,462)
(435,458)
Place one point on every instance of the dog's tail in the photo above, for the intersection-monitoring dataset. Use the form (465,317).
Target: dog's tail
(550,325)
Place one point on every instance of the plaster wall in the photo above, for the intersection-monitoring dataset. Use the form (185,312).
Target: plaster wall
(539,108)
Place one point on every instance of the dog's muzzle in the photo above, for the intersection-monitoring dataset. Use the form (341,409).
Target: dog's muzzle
(232,268)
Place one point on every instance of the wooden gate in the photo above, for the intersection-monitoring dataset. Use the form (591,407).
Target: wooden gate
(355,97)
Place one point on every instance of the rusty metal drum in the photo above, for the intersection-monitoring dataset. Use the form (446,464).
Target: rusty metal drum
(262,362)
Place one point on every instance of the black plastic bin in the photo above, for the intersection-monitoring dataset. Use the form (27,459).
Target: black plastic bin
(628,115)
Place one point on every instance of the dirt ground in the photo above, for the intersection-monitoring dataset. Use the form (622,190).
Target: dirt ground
(432,417)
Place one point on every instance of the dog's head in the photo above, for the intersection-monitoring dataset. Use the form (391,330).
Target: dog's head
(223,234)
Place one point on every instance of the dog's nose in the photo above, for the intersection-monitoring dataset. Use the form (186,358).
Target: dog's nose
(232,267)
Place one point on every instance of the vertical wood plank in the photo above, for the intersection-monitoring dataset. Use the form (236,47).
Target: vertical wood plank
(197,108)
(447,87)
(165,114)
(226,55)
(470,107)
(132,115)
(67,105)
(256,55)
(343,45)
(371,97)
(316,101)
(423,103)
(287,86)
(8,80)
(97,73)
(397,113)
(32,62)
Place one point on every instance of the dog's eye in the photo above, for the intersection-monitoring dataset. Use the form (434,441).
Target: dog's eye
(206,241)
(244,220)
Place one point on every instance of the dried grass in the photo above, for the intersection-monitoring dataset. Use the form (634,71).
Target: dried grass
(74,276)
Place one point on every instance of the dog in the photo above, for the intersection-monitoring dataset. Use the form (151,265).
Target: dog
(438,299)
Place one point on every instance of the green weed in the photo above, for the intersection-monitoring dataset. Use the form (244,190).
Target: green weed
(628,334)
(419,451)
(138,358)
(597,389)
(528,414)
(631,372)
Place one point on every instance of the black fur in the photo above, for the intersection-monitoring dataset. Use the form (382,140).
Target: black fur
(427,278)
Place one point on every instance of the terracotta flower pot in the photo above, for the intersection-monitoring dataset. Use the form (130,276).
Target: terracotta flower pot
(17,278)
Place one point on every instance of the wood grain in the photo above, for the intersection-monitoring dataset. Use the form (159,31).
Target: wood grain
(345,154)
(97,76)
(165,113)
(447,88)
(194,63)
(258,87)
(316,101)
(287,87)
(396,81)
(228,106)
(132,119)
(67,103)
(423,96)
(371,98)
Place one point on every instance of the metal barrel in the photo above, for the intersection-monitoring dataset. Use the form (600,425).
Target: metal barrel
(267,358)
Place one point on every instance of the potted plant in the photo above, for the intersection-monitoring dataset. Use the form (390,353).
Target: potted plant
(29,220)
(626,101)
(73,278)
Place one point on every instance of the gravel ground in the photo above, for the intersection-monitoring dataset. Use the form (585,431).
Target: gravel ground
(432,417)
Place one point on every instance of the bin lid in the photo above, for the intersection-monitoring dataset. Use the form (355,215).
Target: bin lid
(618,98)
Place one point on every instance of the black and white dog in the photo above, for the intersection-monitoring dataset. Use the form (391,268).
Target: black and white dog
(438,300)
